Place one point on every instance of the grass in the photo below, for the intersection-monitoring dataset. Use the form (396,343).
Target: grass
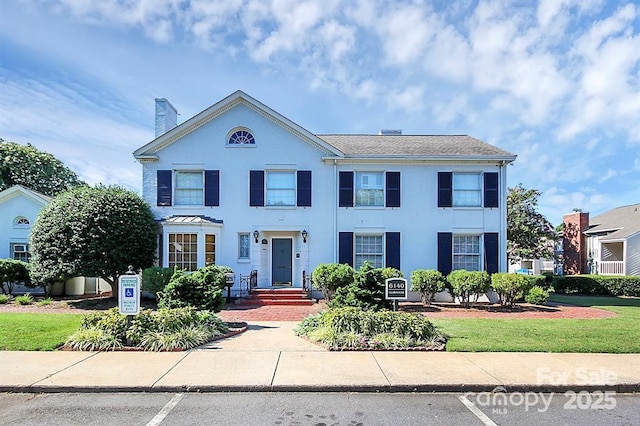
(620,334)
(36,332)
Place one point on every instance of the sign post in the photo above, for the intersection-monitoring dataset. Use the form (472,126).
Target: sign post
(129,296)
(396,289)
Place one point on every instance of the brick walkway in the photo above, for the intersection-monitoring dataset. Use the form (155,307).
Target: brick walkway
(524,311)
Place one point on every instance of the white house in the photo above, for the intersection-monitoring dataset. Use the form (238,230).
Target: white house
(243,186)
(19,208)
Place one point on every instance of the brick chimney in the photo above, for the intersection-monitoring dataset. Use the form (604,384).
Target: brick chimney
(166,116)
(575,244)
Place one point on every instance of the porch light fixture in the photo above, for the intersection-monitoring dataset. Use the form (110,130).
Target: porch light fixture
(256,234)
(304,235)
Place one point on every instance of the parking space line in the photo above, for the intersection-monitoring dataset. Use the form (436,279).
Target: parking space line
(166,410)
(478,412)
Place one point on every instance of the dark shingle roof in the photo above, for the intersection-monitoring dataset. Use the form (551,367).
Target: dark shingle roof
(414,145)
(624,220)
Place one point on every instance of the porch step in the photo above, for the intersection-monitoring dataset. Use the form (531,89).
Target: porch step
(280,296)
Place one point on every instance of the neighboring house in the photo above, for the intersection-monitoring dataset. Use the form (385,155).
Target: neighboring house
(607,244)
(243,186)
(539,266)
(19,208)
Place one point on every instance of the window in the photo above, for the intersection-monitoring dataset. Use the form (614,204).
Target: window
(189,188)
(183,251)
(20,252)
(243,246)
(466,252)
(241,137)
(467,190)
(281,189)
(209,249)
(369,189)
(21,222)
(369,248)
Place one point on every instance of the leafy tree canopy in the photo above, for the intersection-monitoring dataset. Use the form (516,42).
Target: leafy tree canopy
(529,233)
(40,171)
(93,231)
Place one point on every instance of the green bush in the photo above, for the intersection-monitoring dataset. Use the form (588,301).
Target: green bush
(352,328)
(4,299)
(427,282)
(367,290)
(155,279)
(93,339)
(598,284)
(328,277)
(13,272)
(25,299)
(202,289)
(466,285)
(510,287)
(537,296)
(111,322)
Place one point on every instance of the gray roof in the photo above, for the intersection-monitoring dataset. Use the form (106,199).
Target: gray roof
(415,145)
(190,220)
(623,221)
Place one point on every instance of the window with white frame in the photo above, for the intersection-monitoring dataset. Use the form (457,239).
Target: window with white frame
(369,189)
(21,222)
(183,251)
(466,252)
(281,188)
(20,251)
(209,249)
(189,188)
(244,244)
(241,137)
(369,248)
(467,190)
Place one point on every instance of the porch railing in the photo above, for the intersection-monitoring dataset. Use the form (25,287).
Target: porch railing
(611,268)
(307,283)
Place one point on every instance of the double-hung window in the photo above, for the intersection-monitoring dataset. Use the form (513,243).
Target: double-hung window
(281,188)
(369,248)
(189,188)
(20,251)
(369,189)
(467,190)
(466,252)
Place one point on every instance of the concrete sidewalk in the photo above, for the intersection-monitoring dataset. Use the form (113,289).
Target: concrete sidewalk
(269,357)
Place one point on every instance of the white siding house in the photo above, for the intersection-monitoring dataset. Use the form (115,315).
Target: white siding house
(243,186)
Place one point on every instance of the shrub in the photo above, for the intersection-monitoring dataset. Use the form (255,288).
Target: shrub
(45,302)
(467,284)
(367,290)
(155,279)
(328,277)
(202,289)
(537,296)
(4,299)
(510,287)
(352,328)
(93,339)
(598,284)
(13,272)
(427,282)
(112,322)
(25,299)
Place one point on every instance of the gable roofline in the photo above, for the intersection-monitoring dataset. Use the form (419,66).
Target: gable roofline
(16,190)
(148,151)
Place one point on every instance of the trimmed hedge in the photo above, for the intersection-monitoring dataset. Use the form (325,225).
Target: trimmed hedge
(598,284)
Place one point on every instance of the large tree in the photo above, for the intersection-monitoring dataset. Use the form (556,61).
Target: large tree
(25,165)
(529,234)
(93,231)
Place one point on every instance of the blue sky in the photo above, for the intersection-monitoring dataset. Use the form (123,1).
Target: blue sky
(556,82)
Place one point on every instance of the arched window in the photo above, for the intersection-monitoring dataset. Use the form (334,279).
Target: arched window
(241,137)
(21,222)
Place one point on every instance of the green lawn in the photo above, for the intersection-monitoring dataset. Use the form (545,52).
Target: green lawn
(36,332)
(613,335)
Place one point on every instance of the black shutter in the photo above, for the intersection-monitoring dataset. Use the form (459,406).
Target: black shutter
(393,189)
(491,252)
(345,248)
(445,189)
(256,188)
(304,188)
(211,187)
(164,178)
(346,189)
(445,253)
(392,250)
(491,190)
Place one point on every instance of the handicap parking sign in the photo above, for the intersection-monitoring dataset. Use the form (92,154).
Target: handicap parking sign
(129,294)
